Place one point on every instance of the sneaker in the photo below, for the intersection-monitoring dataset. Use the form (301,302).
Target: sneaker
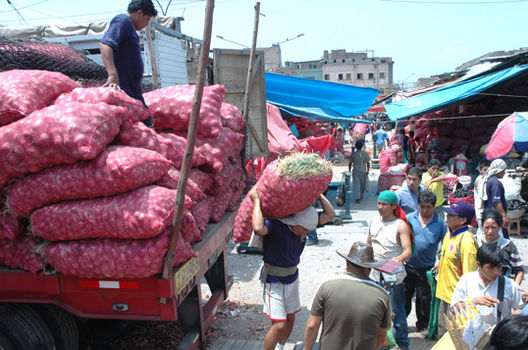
(424,333)
(311,241)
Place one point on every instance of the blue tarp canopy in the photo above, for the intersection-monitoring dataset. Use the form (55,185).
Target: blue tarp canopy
(316,99)
(443,97)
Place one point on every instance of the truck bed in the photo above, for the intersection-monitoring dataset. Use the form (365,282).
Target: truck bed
(150,298)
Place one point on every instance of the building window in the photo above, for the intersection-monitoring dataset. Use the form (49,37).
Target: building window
(335,61)
(299,66)
(327,77)
(382,75)
(359,76)
(348,76)
(371,76)
(340,77)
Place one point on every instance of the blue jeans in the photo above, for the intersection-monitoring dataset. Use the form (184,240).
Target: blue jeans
(401,332)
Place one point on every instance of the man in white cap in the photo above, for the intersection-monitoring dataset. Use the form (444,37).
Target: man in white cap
(283,244)
(491,190)
(352,325)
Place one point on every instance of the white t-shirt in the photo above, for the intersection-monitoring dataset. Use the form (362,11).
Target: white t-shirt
(471,285)
(478,202)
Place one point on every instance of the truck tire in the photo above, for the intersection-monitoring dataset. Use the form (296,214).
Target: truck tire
(62,325)
(102,330)
(25,328)
(5,342)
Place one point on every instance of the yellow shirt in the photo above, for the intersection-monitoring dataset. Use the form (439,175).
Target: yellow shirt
(452,267)
(436,187)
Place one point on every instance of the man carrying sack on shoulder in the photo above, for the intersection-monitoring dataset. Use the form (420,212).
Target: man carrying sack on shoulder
(283,244)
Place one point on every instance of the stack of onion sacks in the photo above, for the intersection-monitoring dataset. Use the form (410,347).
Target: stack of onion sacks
(287,186)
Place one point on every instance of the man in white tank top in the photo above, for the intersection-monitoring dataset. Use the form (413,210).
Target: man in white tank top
(391,238)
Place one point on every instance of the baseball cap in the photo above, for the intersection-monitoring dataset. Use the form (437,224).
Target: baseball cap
(461,208)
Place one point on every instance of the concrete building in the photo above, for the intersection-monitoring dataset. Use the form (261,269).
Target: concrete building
(272,58)
(356,68)
(304,69)
(353,68)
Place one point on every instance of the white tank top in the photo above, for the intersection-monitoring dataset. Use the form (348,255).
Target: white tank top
(385,243)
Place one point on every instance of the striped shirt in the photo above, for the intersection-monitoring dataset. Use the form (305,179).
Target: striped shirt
(512,262)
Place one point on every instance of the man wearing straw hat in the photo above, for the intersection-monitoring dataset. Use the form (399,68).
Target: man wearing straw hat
(391,237)
(283,244)
(361,324)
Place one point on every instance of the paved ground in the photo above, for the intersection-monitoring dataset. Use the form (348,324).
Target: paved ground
(240,319)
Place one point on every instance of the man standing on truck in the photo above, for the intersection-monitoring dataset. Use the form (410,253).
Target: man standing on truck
(121,50)
(283,244)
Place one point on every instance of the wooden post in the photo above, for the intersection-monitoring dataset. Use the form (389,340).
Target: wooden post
(191,137)
(149,32)
(249,79)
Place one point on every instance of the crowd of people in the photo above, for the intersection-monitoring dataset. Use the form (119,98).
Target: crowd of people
(425,243)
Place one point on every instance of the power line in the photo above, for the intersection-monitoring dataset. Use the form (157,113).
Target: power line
(456,2)
(177,5)
(62,17)
(18,13)
(26,6)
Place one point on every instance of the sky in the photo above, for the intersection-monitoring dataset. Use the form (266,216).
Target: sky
(423,37)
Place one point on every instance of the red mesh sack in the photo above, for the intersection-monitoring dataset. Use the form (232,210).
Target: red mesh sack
(25,91)
(219,204)
(170,180)
(203,180)
(399,157)
(360,128)
(243,221)
(173,148)
(20,253)
(189,230)
(237,188)
(217,151)
(386,181)
(142,213)
(59,134)
(222,180)
(115,170)
(385,160)
(10,227)
(114,258)
(138,135)
(421,159)
(231,117)
(171,108)
(183,252)
(135,111)
(201,212)
(393,157)
(286,186)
